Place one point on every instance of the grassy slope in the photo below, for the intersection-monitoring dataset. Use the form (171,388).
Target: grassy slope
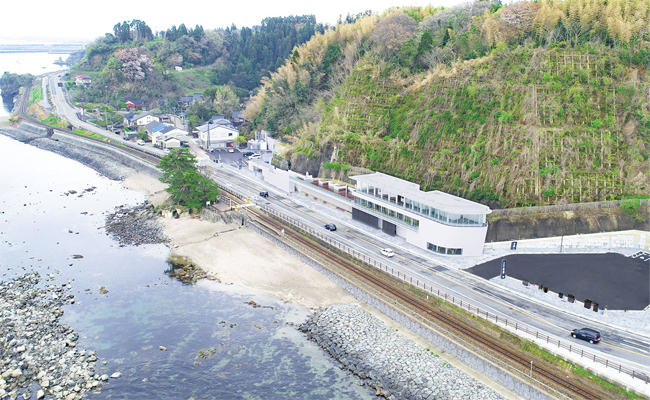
(503,129)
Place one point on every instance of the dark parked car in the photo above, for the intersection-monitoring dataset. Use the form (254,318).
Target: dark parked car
(587,334)
(125,138)
(264,194)
(330,227)
(247,153)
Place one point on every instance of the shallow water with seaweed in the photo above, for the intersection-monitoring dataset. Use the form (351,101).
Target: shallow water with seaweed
(215,345)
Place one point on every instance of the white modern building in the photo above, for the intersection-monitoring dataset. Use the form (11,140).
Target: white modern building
(437,221)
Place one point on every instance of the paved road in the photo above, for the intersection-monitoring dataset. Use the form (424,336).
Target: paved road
(64,110)
(617,344)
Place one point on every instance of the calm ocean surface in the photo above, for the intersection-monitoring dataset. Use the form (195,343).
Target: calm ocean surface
(256,354)
(27,63)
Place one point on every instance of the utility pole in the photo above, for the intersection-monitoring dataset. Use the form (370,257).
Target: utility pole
(208,141)
(106,110)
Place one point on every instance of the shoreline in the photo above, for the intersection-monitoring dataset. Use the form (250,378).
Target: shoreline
(248,260)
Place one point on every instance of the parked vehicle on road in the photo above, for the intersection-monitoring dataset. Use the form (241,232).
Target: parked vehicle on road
(590,335)
(231,150)
(255,157)
(264,194)
(247,153)
(125,137)
(330,227)
(140,142)
(387,252)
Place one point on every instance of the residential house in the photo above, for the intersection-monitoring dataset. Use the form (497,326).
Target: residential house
(184,101)
(83,80)
(162,117)
(238,117)
(135,120)
(217,133)
(161,135)
(153,127)
(171,142)
(135,104)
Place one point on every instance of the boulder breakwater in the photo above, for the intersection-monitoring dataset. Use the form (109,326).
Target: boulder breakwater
(395,366)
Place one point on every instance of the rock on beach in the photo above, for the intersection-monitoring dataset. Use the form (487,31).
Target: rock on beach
(135,226)
(35,348)
(395,366)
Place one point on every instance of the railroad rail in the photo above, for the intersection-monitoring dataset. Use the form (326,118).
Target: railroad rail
(540,373)
(22,111)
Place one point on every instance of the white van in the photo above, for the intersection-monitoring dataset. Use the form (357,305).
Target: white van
(255,157)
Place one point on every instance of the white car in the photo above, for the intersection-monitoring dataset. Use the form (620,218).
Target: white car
(387,252)
(255,157)
(231,150)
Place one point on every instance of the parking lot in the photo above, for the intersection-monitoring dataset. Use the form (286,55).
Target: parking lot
(236,158)
(611,279)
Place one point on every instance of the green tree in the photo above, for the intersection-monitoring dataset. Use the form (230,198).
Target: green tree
(187,186)
(10,84)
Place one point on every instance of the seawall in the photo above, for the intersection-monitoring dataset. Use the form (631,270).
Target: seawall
(103,158)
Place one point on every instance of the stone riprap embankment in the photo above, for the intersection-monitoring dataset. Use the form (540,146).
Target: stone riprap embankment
(39,357)
(396,366)
(133,226)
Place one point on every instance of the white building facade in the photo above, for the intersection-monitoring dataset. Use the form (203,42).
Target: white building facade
(436,221)
(220,136)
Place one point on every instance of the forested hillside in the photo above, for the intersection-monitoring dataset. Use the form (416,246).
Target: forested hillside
(135,62)
(533,103)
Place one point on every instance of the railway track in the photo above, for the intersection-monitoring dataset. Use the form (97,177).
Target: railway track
(22,111)
(546,375)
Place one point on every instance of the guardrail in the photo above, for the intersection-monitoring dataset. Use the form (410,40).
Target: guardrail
(435,290)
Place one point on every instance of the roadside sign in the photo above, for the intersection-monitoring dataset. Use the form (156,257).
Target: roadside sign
(503,269)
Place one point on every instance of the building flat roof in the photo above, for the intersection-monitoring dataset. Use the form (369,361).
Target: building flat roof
(436,199)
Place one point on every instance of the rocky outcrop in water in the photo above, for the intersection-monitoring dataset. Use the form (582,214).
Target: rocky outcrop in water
(135,226)
(37,353)
(395,366)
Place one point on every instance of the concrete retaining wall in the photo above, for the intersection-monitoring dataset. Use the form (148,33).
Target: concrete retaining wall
(34,129)
(632,239)
(476,362)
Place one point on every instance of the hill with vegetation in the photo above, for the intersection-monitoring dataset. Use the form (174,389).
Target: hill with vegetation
(134,62)
(534,103)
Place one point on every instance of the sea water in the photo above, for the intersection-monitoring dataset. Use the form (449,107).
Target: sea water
(218,347)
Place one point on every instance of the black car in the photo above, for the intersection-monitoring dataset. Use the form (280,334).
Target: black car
(330,227)
(247,153)
(590,335)
(264,194)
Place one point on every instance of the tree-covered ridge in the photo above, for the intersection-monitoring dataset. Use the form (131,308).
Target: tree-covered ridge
(235,57)
(531,103)
(10,84)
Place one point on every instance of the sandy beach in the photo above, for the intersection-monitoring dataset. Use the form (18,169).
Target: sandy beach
(243,257)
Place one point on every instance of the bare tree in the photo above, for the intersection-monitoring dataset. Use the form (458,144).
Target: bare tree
(437,56)
(392,32)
